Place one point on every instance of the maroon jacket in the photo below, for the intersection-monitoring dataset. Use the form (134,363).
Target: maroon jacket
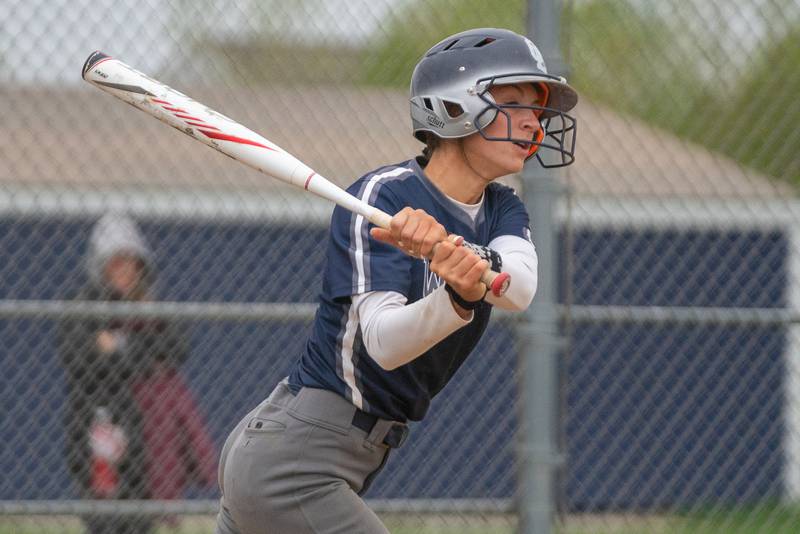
(179,450)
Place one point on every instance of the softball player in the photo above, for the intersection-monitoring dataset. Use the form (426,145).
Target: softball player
(401,309)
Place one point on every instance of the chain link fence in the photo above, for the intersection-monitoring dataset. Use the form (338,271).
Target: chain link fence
(679,372)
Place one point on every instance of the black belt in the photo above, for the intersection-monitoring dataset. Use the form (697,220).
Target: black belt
(394,438)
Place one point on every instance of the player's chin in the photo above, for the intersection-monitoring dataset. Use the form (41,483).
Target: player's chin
(518,165)
(506,168)
(515,158)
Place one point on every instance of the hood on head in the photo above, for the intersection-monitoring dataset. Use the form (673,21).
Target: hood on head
(115,233)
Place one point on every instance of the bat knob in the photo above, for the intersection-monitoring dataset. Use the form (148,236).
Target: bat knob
(500,284)
(93,59)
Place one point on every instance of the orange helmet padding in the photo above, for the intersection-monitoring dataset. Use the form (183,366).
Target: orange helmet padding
(538,136)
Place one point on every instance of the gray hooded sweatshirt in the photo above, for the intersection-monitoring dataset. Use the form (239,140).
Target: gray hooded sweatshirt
(113,234)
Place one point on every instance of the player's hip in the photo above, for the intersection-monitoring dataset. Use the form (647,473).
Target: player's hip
(293,441)
(299,451)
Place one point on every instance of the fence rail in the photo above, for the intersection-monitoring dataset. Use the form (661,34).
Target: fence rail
(265,312)
(210,507)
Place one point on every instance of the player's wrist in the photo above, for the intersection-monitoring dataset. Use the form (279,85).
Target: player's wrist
(464,303)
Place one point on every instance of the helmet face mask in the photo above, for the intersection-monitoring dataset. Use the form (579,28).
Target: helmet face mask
(451,98)
(556,132)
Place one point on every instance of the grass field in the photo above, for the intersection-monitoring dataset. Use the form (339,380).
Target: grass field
(767,519)
(754,520)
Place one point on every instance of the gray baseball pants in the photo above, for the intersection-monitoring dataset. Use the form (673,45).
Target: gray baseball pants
(296,465)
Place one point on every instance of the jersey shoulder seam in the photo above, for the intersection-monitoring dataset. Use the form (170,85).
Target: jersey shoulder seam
(385,177)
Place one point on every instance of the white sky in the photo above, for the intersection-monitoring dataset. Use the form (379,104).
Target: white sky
(47,41)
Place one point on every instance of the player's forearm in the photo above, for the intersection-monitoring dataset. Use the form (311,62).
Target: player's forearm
(395,334)
(520,261)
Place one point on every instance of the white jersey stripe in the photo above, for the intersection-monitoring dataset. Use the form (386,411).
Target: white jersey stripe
(347,363)
(348,371)
(361,280)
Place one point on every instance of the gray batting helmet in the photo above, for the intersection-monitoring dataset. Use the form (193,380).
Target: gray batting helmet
(450,91)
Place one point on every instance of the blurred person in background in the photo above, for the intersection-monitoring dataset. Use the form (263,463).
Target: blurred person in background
(133,428)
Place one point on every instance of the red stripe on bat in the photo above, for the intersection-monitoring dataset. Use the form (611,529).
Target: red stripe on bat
(203,125)
(161,101)
(174,109)
(234,139)
(308,180)
(185,116)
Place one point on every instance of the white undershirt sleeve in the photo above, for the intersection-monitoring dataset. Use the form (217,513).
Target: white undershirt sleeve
(395,334)
(520,261)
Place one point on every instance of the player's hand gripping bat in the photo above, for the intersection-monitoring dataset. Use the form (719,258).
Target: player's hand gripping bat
(232,139)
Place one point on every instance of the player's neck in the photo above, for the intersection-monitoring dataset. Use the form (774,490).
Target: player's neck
(454,177)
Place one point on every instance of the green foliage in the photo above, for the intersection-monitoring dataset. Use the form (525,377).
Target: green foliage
(640,64)
(758,125)
(629,60)
(414,29)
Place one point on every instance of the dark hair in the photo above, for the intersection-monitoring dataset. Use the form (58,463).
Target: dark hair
(432,142)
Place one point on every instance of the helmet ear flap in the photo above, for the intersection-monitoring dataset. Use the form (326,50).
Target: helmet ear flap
(489,113)
(486,118)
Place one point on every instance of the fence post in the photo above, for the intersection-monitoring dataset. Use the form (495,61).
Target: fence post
(538,331)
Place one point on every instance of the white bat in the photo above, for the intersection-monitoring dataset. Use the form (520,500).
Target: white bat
(232,139)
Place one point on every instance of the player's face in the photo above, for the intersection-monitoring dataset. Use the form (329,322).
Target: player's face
(499,158)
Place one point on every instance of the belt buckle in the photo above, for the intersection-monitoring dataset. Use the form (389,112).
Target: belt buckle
(396,435)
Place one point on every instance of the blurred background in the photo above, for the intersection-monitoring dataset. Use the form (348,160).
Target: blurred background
(666,335)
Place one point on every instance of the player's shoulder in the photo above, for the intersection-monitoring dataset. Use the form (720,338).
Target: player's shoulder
(393,177)
(500,190)
(502,195)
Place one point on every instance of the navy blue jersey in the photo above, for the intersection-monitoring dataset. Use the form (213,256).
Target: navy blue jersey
(335,357)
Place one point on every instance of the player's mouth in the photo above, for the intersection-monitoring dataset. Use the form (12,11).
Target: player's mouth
(524,147)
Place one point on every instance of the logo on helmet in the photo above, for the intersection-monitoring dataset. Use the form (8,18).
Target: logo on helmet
(433,120)
(536,55)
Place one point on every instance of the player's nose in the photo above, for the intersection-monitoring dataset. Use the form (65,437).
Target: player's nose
(529,120)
